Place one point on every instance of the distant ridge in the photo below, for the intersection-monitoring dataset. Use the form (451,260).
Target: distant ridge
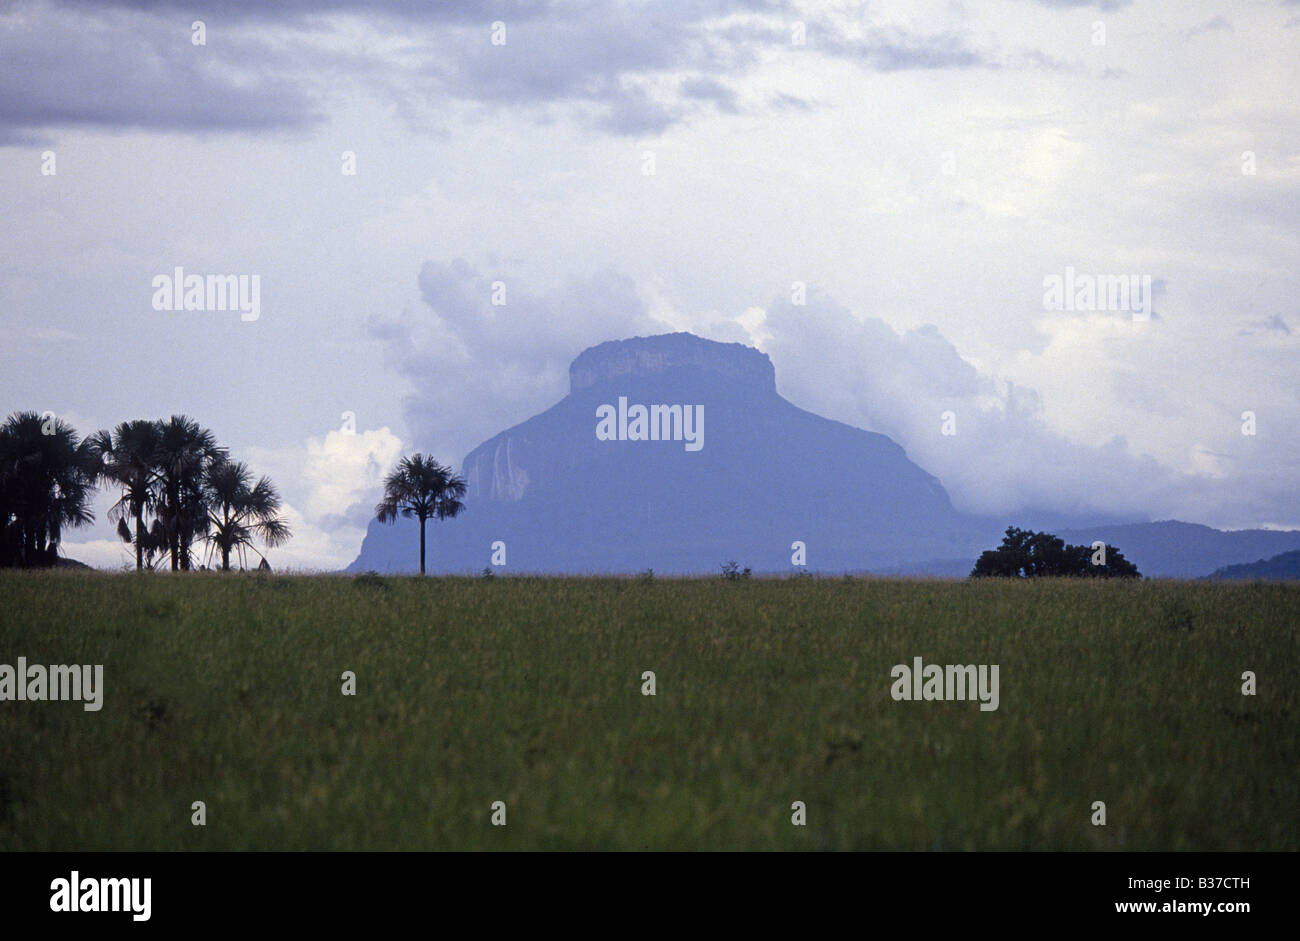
(1284,567)
(768,478)
(1172,549)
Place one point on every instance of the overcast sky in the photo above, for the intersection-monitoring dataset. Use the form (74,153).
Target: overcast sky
(921,167)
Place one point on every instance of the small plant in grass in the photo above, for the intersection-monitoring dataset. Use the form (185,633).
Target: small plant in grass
(733,573)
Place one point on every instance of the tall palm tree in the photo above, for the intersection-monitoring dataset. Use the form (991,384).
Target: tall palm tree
(423,488)
(129,456)
(185,449)
(47,478)
(239,510)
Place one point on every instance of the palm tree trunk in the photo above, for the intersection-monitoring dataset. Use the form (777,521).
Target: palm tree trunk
(225,543)
(174,530)
(421,545)
(139,546)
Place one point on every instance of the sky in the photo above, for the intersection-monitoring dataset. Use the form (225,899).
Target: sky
(876,195)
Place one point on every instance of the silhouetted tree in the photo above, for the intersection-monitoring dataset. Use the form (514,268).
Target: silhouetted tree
(1027,554)
(129,459)
(168,495)
(185,450)
(420,487)
(47,478)
(239,510)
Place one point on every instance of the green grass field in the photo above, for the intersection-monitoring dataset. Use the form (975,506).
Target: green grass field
(226,689)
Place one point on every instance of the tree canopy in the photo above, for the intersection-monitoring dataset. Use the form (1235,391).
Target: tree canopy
(420,487)
(175,487)
(1028,554)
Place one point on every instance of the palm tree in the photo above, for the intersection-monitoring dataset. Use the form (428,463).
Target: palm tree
(236,511)
(185,449)
(423,488)
(129,457)
(47,477)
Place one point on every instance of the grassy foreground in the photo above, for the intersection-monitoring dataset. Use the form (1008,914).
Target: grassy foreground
(226,689)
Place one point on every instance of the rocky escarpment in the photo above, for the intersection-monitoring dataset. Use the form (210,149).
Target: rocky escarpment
(505,467)
(649,356)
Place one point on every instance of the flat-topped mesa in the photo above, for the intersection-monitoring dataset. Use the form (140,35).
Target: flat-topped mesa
(646,356)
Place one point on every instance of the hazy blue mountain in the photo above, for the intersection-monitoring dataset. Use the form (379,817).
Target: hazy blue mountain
(1281,567)
(1167,549)
(767,474)
(1170,549)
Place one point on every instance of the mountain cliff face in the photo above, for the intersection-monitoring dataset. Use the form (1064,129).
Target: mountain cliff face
(648,356)
(676,453)
(759,475)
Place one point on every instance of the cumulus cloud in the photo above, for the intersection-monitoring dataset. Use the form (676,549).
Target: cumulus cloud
(1006,454)
(510,359)
(330,485)
(344,469)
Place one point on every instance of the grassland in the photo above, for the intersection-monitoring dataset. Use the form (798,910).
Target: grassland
(226,689)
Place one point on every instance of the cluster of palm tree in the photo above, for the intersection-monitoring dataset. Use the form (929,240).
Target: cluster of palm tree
(176,489)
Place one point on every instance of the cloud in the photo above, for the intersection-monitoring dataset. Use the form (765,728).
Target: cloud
(703,88)
(1274,324)
(892,49)
(1077,4)
(313,547)
(471,11)
(631,110)
(624,69)
(1209,26)
(1005,454)
(343,469)
(330,485)
(117,69)
(510,359)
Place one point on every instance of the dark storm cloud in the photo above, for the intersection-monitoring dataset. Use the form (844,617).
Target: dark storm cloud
(618,67)
(127,71)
